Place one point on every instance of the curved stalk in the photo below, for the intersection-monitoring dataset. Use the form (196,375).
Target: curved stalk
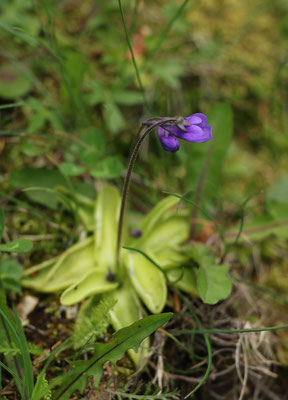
(131,164)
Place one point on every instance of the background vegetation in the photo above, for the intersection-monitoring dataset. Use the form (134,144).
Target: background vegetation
(71,102)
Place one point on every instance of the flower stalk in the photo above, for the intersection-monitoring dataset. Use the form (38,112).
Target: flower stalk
(151,125)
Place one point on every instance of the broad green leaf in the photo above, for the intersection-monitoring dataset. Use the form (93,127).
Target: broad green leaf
(125,339)
(187,279)
(209,157)
(94,282)
(42,270)
(109,168)
(213,284)
(71,169)
(127,308)
(70,267)
(17,246)
(164,235)
(39,177)
(148,281)
(10,274)
(106,222)
(126,311)
(14,83)
(159,213)
(73,264)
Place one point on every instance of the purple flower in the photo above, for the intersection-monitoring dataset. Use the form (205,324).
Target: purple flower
(192,129)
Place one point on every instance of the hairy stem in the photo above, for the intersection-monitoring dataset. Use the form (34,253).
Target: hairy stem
(131,164)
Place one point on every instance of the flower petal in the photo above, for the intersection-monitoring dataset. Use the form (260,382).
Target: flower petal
(198,119)
(169,142)
(196,134)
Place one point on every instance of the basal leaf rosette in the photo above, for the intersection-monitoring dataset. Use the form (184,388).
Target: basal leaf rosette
(88,267)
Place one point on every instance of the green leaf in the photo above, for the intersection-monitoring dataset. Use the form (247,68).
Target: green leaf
(158,214)
(71,169)
(17,246)
(148,281)
(41,117)
(92,320)
(10,274)
(126,311)
(63,272)
(106,221)
(94,282)
(213,284)
(185,279)
(109,168)
(39,177)
(41,388)
(125,339)
(30,149)
(113,118)
(167,234)
(13,82)
(11,332)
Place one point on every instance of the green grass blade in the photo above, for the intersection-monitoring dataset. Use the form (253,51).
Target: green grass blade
(133,57)
(168,28)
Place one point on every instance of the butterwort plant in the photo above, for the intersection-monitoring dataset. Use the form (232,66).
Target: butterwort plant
(192,129)
(99,266)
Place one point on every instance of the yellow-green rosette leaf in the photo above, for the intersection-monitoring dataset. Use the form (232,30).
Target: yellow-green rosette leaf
(167,234)
(95,282)
(148,281)
(125,312)
(106,222)
(158,214)
(71,266)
